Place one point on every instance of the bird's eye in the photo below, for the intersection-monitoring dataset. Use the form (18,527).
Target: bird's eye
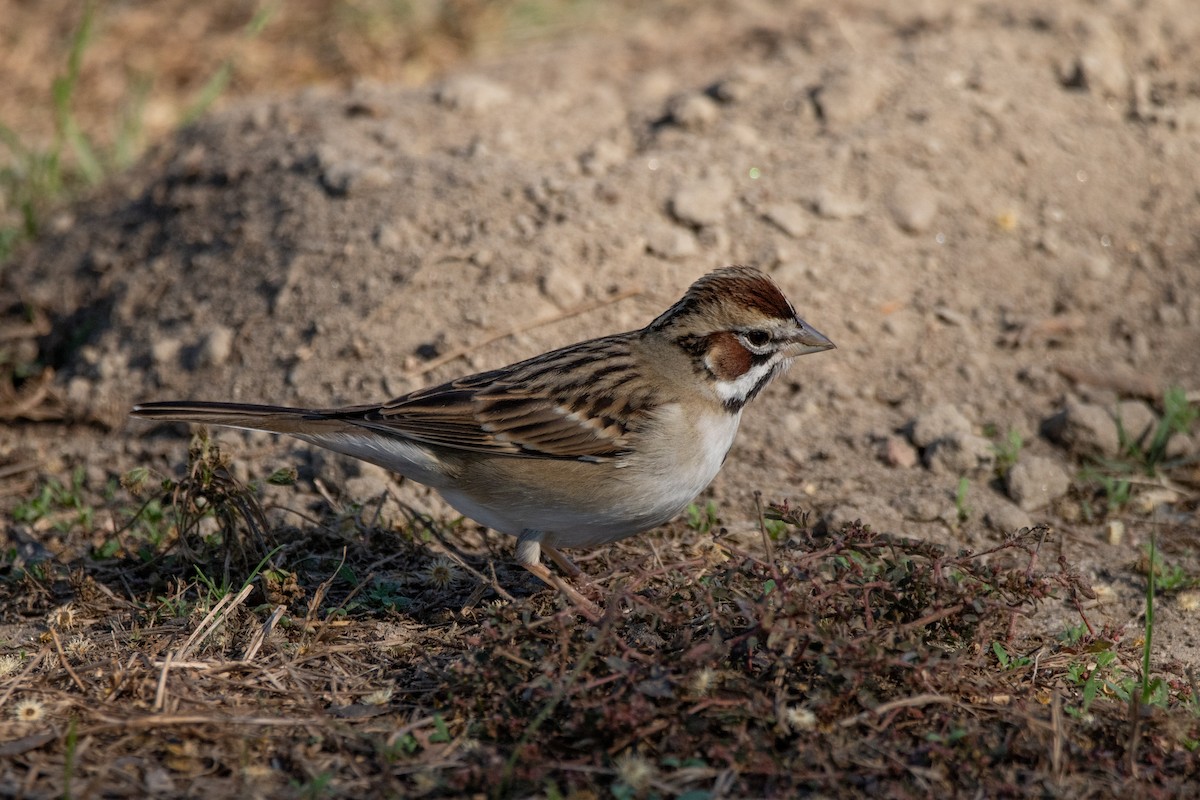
(758,337)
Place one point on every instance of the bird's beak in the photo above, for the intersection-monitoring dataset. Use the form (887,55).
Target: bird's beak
(806,339)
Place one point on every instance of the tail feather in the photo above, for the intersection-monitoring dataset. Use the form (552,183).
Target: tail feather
(277,419)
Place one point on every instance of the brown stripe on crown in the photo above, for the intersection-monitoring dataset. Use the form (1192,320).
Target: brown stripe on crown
(745,286)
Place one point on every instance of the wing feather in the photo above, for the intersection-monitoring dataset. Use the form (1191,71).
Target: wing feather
(526,410)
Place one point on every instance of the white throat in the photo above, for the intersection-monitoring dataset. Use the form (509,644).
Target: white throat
(741,388)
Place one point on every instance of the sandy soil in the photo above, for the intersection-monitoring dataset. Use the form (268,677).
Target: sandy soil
(992,209)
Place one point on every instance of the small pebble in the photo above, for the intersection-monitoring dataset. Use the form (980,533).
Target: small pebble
(164,352)
(740,85)
(473,94)
(960,454)
(1084,429)
(914,204)
(1137,420)
(563,287)
(1035,482)
(940,422)
(897,452)
(670,241)
(790,218)
(1004,517)
(832,205)
(702,202)
(603,156)
(850,94)
(693,111)
(216,347)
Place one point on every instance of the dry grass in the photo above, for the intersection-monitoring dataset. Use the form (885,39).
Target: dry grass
(348,656)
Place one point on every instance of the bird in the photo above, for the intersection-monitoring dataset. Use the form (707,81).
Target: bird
(577,447)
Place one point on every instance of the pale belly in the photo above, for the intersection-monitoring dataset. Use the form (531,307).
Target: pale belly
(578,504)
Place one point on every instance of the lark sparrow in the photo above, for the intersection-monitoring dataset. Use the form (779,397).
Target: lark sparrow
(579,446)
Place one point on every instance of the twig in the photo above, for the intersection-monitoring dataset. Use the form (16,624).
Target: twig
(161,720)
(1056,725)
(210,621)
(904,702)
(263,633)
(160,692)
(62,657)
(574,311)
(20,679)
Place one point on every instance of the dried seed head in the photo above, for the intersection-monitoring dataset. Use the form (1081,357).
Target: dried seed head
(29,710)
(703,681)
(62,617)
(80,645)
(380,697)
(799,718)
(9,664)
(442,573)
(634,771)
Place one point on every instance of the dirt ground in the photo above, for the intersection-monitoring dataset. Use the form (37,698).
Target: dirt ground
(991,208)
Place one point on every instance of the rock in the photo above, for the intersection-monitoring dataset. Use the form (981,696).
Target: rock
(164,352)
(1100,72)
(563,287)
(670,241)
(344,178)
(1115,532)
(216,347)
(849,94)
(602,156)
(913,204)
(739,85)
(473,94)
(790,218)
(702,202)
(693,111)
(960,454)
(940,422)
(896,452)
(1159,499)
(1004,517)
(1137,420)
(832,205)
(1182,445)
(1036,481)
(1084,429)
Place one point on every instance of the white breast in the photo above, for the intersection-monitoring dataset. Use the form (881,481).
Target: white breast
(669,473)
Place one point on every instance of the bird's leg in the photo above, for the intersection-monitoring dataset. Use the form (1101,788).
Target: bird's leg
(529,557)
(565,564)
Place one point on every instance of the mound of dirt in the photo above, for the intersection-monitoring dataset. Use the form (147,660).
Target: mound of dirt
(992,210)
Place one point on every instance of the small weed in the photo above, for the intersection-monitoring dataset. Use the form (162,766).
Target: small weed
(1178,418)
(1114,477)
(1007,452)
(1093,677)
(1007,661)
(317,786)
(702,519)
(1073,635)
(960,500)
(441,733)
(60,505)
(1166,577)
(1115,490)
(385,594)
(37,178)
